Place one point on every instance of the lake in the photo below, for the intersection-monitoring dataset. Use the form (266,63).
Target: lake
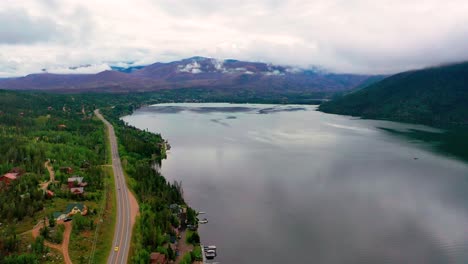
(289,184)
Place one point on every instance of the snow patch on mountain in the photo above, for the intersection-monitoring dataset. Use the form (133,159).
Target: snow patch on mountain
(198,65)
(193,67)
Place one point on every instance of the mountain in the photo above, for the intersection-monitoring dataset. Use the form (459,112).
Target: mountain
(434,96)
(195,72)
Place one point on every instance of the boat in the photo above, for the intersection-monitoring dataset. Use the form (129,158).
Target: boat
(210,254)
(203,221)
(210,247)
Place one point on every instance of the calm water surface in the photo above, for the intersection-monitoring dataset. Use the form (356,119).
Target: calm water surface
(288,184)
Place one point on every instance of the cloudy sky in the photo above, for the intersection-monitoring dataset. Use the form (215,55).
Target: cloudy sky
(358,36)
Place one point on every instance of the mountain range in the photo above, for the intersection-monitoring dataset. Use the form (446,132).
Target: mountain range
(195,72)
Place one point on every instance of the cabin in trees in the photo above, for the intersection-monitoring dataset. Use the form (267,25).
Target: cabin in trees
(76,181)
(77,190)
(7,178)
(72,209)
(13,175)
(76,185)
(75,208)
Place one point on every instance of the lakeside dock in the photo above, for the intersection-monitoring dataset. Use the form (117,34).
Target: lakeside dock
(205,260)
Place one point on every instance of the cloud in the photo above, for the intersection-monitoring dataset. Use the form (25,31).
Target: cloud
(20,28)
(80,69)
(357,36)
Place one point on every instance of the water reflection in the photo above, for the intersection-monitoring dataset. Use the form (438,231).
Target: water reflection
(306,187)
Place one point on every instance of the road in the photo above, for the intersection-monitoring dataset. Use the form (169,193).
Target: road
(51,174)
(62,248)
(125,208)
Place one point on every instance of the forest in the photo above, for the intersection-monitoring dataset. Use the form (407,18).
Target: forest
(36,128)
(141,153)
(435,96)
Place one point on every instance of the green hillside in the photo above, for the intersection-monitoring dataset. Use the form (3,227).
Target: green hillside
(433,96)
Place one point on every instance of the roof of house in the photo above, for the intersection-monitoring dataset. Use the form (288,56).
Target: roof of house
(71,206)
(75,179)
(77,190)
(11,175)
(156,257)
(57,214)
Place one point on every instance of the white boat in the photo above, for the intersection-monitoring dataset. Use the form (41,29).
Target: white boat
(203,221)
(210,254)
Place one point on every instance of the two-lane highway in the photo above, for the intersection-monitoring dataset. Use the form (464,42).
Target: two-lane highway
(123,227)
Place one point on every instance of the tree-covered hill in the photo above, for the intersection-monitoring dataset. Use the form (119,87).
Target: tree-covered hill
(433,96)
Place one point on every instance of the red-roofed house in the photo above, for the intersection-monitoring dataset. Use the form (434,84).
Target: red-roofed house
(77,190)
(9,177)
(76,181)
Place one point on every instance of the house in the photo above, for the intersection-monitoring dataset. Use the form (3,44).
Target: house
(59,216)
(77,190)
(76,181)
(75,208)
(9,177)
(72,209)
(158,258)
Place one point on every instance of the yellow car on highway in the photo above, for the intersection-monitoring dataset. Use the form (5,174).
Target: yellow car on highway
(116,249)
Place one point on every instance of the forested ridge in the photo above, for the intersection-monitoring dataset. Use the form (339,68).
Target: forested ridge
(433,96)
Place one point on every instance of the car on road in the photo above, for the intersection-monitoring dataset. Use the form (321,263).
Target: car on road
(116,249)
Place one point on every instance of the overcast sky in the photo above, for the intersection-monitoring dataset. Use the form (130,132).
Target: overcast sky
(357,36)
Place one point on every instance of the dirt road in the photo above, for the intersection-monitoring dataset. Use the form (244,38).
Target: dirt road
(51,173)
(63,248)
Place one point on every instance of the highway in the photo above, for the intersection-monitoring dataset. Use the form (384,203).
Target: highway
(123,227)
